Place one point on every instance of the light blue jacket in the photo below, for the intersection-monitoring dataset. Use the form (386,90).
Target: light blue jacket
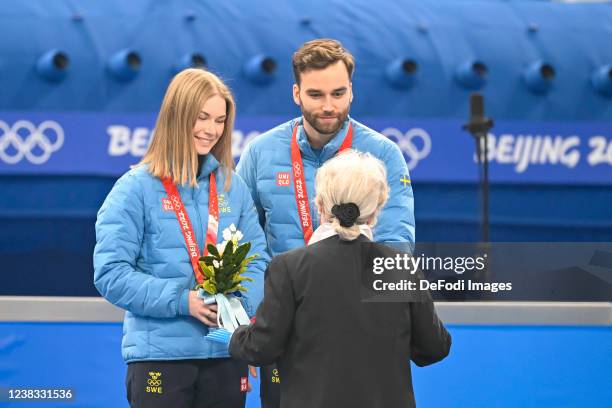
(141,262)
(269,155)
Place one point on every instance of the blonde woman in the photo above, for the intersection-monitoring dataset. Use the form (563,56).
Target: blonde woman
(333,349)
(150,231)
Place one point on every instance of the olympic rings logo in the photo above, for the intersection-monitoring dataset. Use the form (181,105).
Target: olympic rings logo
(413,153)
(153,383)
(36,147)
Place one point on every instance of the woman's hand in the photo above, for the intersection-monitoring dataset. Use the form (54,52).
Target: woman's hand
(207,314)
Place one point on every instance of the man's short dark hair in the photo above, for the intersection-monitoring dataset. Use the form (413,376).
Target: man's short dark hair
(319,54)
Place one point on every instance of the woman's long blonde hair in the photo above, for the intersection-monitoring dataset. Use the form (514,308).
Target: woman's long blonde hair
(172,152)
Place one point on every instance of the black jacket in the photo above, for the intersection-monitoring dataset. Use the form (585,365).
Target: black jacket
(333,349)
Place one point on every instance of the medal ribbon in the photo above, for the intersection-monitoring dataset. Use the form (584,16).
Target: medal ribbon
(299,180)
(185,223)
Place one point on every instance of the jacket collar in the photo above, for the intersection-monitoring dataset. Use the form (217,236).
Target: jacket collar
(326,230)
(209,165)
(329,150)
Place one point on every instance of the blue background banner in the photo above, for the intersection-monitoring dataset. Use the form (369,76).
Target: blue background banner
(434,149)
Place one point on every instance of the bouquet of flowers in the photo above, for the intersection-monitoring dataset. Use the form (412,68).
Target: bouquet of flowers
(223,270)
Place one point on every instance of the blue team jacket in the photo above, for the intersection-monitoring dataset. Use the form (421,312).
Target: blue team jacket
(141,262)
(266,161)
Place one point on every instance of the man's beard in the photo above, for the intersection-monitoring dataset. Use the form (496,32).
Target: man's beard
(325,128)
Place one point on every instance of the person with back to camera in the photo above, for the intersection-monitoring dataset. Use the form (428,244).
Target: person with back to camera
(332,348)
(181,195)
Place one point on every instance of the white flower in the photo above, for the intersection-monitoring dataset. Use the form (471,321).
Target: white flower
(221,247)
(216,264)
(233,234)
(227,234)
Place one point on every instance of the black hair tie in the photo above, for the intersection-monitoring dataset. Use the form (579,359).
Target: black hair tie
(346,213)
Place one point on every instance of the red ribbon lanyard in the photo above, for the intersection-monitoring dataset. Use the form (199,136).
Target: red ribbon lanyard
(185,223)
(299,180)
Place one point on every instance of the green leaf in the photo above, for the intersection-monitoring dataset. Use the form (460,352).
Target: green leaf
(208,270)
(242,279)
(245,262)
(210,287)
(236,288)
(213,250)
(208,259)
(241,252)
(243,267)
(229,248)
(225,271)
(228,252)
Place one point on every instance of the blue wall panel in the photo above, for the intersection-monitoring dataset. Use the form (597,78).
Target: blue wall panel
(501,366)
(506,36)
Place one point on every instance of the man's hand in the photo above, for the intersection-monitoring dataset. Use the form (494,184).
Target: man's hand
(207,314)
